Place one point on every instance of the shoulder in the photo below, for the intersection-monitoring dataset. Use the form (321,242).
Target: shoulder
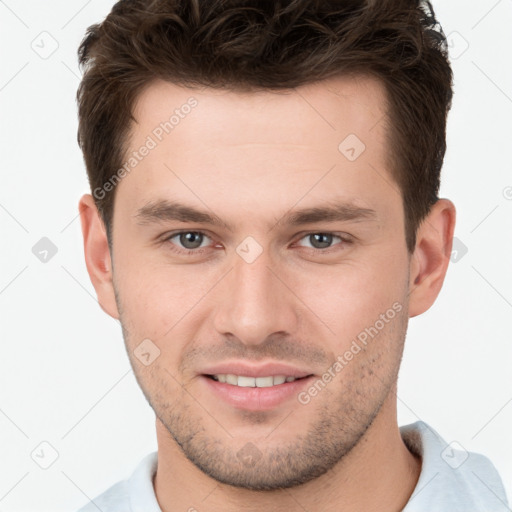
(115,498)
(131,495)
(451,477)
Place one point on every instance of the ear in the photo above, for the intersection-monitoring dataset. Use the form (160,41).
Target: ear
(431,256)
(97,254)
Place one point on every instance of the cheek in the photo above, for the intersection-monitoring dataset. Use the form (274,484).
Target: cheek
(350,297)
(158,301)
(139,289)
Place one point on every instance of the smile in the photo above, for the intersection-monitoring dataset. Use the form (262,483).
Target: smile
(244,381)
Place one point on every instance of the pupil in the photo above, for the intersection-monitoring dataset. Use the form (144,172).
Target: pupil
(192,238)
(327,239)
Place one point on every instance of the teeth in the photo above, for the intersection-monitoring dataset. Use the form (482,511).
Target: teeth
(232,379)
(252,382)
(264,382)
(246,382)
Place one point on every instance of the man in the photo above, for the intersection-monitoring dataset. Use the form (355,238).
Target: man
(264,220)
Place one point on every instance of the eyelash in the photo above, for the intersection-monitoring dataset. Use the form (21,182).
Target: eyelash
(199,250)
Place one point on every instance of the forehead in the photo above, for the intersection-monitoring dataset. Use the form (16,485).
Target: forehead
(332,105)
(262,144)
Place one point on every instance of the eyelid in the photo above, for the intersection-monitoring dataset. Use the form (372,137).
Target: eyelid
(345,239)
(167,238)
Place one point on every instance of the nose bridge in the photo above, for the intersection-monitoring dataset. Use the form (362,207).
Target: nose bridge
(255,303)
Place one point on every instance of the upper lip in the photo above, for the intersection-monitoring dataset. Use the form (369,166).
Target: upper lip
(256,370)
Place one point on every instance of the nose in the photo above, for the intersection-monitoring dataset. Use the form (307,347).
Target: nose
(255,301)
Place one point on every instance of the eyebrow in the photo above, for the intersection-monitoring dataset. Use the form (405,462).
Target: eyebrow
(165,210)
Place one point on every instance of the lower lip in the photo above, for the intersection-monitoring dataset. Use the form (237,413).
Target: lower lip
(256,399)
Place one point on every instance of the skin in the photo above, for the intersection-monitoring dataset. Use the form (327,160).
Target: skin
(250,158)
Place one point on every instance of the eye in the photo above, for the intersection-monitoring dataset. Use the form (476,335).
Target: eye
(189,241)
(320,241)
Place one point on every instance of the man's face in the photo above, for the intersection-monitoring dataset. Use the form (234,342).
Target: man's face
(257,295)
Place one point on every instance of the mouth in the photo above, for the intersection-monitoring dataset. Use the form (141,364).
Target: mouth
(244,381)
(255,387)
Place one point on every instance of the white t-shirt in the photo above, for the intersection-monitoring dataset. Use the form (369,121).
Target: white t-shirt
(451,480)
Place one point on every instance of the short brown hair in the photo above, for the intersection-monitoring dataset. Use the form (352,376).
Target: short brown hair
(254,45)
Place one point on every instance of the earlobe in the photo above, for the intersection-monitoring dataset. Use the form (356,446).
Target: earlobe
(97,255)
(431,257)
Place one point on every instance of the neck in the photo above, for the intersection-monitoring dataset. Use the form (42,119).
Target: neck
(378,474)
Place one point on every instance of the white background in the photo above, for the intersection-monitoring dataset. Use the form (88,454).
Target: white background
(64,375)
